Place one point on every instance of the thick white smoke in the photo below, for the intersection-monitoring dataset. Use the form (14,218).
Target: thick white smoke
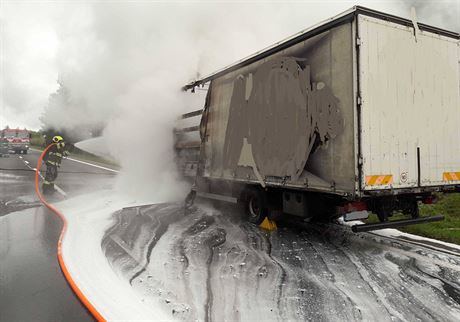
(123,64)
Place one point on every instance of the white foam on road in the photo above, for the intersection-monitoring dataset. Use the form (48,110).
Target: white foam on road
(390,232)
(88,217)
(394,233)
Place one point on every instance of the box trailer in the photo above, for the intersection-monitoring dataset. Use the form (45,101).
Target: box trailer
(360,112)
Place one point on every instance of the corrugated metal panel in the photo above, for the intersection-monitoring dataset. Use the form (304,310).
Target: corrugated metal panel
(410,100)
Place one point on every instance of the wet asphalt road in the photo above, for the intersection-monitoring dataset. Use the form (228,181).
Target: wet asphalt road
(32,287)
(210,265)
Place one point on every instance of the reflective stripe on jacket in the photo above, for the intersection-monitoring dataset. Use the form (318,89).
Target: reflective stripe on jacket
(55,154)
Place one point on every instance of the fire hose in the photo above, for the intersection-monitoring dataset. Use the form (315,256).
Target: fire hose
(64,269)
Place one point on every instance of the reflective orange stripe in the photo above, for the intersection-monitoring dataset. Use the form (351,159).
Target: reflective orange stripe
(376,180)
(370,180)
(451,176)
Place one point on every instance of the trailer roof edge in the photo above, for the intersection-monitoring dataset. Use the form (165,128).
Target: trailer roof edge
(406,22)
(312,31)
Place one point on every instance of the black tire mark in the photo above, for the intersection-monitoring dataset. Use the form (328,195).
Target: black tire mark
(404,268)
(266,237)
(451,290)
(202,224)
(217,238)
(161,228)
(320,257)
(154,218)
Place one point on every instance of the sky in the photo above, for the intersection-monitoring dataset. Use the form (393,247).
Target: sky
(120,64)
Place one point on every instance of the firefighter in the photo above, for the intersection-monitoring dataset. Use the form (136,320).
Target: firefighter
(52,159)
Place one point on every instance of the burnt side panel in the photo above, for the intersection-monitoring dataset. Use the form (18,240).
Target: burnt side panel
(288,118)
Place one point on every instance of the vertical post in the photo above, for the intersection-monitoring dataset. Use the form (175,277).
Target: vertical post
(418,167)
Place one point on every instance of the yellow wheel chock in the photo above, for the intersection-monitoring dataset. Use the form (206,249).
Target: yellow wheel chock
(268,224)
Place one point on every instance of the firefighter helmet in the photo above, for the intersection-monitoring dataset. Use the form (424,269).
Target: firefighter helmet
(57,139)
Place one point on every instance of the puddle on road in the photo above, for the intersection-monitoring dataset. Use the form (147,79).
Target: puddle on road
(18,204)
(7,176)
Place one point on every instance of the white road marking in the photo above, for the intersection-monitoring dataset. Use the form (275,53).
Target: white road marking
(93,165)
(58,189)
(86,163)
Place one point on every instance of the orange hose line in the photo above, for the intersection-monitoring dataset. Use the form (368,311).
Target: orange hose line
(64,269)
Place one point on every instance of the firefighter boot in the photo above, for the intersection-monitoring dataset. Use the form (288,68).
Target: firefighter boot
(48,188)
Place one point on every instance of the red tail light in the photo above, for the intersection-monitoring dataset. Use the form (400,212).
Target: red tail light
(429,200)
(352,206)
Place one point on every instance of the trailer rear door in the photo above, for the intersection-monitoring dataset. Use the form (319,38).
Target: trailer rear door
(410,106)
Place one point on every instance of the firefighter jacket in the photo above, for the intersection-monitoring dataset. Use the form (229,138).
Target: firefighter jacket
(54,155)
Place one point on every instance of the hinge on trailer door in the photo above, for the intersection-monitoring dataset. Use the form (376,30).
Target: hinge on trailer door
(359,100)
(358,41)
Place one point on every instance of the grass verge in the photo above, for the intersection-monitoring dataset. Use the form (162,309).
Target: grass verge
(447,230)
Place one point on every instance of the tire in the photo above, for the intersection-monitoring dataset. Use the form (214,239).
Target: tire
(25,151)
(383,211)
(256,206)
(190,199)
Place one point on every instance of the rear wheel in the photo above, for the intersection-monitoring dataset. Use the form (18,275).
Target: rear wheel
(256,206)
(410,207)
(383,210)
(190,199)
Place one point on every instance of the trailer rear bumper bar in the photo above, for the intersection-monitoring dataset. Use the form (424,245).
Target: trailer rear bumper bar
(394,224)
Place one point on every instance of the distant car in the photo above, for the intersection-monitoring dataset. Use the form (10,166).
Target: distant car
(4,148)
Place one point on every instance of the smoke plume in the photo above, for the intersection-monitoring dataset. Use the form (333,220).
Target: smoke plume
(122,64)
